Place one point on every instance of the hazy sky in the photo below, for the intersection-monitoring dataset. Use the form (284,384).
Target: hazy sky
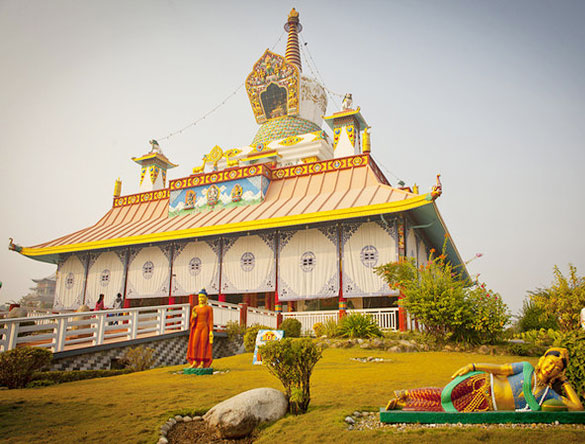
(490,94)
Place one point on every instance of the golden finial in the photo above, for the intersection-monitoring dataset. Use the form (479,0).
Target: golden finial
(292,54)
(366,143)
(118,188)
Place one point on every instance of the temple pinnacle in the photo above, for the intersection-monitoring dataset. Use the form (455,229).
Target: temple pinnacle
(293,27)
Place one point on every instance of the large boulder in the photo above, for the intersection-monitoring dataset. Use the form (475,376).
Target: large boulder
(238,416)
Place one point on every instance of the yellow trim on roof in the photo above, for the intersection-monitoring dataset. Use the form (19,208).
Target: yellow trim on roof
(261,155)
(343,114)
(158,156)
(322,216)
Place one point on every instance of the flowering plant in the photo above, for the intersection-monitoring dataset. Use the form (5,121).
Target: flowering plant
(448,305)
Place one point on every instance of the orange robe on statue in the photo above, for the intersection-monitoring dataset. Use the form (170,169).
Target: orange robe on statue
(199,349)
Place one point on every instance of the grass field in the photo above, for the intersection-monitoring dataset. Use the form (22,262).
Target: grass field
(131,408)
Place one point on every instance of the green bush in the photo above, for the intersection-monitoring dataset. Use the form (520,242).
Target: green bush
(534,317)
(40,383)
(18,365)
(331,327)
(574,341)
(235,331)
(449,306)
(526,349)
(291,327)
(357,325)
(250,336)
(292,362)
(564,299)
(59,377)
(318,329)
(139,358)
(488,316)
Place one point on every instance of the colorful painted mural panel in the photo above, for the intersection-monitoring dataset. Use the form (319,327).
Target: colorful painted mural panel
(224,195)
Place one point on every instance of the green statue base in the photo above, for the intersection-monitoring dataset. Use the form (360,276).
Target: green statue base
(500,417)
(198,371)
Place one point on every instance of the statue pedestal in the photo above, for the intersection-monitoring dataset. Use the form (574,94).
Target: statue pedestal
(500,417)
(198,371)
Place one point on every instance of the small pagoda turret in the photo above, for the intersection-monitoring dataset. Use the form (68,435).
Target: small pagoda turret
(153,174)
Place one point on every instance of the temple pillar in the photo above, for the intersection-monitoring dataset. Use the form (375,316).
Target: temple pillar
(243,314)
(402,325)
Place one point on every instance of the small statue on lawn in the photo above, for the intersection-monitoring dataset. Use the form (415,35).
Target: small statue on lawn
(200,348)
(488,387)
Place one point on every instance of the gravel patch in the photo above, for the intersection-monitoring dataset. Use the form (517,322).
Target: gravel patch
(371,421)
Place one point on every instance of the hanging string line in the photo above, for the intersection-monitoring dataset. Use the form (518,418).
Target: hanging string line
(211,111)
(311,63)
(195,122)
(386,169)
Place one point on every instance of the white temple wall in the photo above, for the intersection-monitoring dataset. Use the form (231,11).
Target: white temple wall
(105,276)
(70,283)
(366,245)
(308,264)
(148,272)
(196,266)
(249,264)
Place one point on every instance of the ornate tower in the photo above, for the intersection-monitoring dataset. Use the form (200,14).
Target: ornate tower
(293,27)
(284,102)
(153,174)
(347,125)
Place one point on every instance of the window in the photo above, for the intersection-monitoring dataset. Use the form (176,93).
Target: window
(247,261)
(147,270)
(308,261)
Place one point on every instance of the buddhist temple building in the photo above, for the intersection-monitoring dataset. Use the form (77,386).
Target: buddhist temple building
(295,219)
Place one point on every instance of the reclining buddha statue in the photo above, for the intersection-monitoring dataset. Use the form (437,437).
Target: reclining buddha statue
(489,387)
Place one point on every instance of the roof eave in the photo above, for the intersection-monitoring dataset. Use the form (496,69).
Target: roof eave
(51,254)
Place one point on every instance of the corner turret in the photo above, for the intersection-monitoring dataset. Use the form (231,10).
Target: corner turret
(156,164)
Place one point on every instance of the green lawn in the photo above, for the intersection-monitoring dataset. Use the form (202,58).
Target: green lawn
(131,408)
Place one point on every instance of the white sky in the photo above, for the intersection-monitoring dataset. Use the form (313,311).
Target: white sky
(488,94)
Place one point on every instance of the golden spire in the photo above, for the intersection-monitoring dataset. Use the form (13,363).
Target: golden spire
(118,188)
(366,144)
(293,27)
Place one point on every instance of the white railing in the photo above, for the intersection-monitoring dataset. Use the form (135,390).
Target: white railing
(224,312)
(86,329)
(386,318)
(261,316)
(310,318)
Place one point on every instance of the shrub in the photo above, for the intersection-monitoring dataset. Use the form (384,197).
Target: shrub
(526,349)
(235,331)
(292,362)
(59,377)
(434,294)
(533,316)
(488,316)
(139,358)
(331,327)
(574,341)
(291,327)
(18,365)
(357,325)
(318,329)
(564,299)
(250,336)
(439,297)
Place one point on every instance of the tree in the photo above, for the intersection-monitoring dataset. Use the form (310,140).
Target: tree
(564,299)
